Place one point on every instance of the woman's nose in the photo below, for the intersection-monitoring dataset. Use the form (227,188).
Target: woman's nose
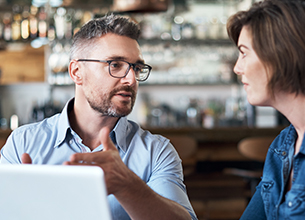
(238,67)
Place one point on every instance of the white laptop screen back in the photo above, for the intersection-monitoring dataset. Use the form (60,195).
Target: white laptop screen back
(53,192)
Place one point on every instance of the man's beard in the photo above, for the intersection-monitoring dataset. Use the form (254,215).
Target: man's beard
(108,108)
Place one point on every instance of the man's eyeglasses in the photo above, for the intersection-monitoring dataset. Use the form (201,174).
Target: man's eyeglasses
(120,68)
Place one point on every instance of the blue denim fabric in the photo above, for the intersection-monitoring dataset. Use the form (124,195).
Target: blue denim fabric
(270,200)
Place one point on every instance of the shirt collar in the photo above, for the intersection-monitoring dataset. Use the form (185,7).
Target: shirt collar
(293,134)
(63,124)
(119,133)
(291,138)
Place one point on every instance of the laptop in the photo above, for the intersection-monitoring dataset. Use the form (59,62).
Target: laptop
(53,192)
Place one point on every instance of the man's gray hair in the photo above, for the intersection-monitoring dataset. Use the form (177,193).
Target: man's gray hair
(98,27)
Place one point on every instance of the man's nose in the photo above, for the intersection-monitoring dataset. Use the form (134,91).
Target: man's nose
(130,78)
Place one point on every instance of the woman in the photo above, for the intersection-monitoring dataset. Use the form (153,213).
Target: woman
(271,39)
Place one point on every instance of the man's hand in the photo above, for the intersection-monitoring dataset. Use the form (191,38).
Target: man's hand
(135,196)
(26,159)
(117,175)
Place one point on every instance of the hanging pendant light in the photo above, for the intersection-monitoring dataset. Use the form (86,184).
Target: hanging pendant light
(140,5)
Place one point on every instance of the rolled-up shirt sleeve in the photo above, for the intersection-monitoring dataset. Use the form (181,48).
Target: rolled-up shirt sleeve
(167,177)
(10,153)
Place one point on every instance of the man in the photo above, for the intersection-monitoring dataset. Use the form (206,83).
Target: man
(143,171)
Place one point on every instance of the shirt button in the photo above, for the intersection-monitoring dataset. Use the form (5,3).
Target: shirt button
(284,153)
(289,204)
(71,142)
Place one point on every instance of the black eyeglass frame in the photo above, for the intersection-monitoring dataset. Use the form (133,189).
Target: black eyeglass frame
(133,65)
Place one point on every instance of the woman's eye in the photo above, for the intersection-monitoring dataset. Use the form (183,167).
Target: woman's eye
(243,54)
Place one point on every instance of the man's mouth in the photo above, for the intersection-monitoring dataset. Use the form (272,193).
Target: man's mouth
(125,94)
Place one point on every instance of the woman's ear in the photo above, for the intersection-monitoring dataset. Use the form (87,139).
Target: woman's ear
(75,73)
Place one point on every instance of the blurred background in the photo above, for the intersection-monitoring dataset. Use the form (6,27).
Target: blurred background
(192,91)
(185,41)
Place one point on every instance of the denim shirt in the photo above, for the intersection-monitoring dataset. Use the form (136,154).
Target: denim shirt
(270,200)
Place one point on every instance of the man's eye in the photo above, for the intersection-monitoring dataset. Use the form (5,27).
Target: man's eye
(138,68)
(115,65)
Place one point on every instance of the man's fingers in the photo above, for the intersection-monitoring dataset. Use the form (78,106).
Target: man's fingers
(80,157)
(96,157)
(77,164)
(26,159)
(90,158)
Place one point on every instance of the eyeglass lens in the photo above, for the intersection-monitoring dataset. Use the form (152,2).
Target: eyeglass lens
(121,68)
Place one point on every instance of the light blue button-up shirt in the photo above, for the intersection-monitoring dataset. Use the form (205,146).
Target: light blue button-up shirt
(151,157)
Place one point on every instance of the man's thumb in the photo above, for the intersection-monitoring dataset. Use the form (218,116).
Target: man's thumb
(105,139)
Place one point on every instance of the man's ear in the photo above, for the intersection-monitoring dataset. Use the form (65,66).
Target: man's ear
(75,73)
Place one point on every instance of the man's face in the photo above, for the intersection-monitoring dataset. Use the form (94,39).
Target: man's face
(105,94)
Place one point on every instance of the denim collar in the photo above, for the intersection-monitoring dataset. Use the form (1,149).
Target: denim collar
(290,138)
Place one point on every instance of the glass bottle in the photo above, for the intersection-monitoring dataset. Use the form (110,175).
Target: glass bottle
(25,24)
(33,22)
(42,23)
(16,24)
(1,27)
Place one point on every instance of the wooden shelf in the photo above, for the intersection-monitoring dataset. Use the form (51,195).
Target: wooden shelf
(22,63)
(193,41)
(221,134)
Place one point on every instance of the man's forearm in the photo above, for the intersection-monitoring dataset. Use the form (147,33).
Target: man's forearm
(142,203)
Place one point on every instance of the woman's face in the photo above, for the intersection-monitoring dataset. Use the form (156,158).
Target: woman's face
(252,72)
